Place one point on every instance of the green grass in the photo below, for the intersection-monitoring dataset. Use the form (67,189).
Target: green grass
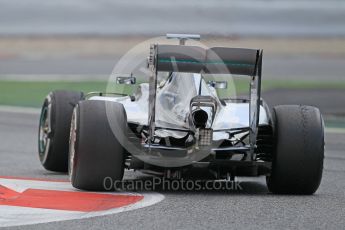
(32,93)
(242,85)
(338,123)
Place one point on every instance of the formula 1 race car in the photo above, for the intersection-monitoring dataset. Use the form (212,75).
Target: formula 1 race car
(177,122)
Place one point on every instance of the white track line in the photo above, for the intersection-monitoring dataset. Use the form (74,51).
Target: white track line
(335,130)
(17,109)
(18,216)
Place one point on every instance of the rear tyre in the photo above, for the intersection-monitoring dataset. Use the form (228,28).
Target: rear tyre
(298,158)
(54,126)
(96,156)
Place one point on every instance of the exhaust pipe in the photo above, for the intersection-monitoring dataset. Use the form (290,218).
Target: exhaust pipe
(200,118)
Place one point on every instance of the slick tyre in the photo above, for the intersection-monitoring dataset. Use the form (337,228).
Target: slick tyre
(299,153)
(98,134)
(54,128)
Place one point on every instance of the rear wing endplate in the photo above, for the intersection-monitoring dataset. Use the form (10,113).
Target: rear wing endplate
(216,60)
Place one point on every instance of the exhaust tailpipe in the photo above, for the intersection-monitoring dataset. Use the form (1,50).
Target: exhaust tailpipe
(200,118)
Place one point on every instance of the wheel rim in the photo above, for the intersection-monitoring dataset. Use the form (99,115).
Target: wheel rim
(72,141)
(44,136)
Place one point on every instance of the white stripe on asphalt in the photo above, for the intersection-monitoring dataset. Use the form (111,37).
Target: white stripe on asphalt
(54,77)
(18,109)
(335,130)
(18,216)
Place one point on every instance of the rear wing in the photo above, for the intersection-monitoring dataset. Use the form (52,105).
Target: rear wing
(216,60)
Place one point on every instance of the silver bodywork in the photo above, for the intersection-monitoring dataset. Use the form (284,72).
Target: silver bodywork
(173,105)
(173,98)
